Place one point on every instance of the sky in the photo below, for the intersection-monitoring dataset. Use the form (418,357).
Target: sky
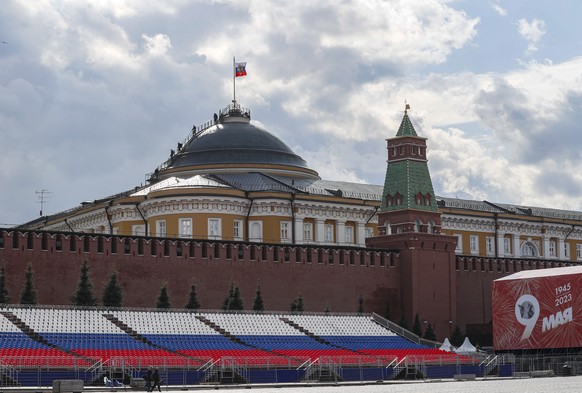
(95,93)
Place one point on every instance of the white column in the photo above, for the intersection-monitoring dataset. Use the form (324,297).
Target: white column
(546,246)
(319,231)
(298,226)
(515,244)
(500,244)
(361,234)
(561,253)
(340,232)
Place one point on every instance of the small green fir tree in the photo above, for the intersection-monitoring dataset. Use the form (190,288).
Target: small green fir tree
(112,293)
(163,299)
(361,305)
(300,304)
(457,337)
(233,302)
(416,328)
(28,295)
(193,303)
(237,303)
(429,334)
(84,295)
(4,298)
(297,305)
(228,298)
(258,301)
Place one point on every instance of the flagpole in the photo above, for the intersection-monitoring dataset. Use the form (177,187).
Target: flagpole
(233,81)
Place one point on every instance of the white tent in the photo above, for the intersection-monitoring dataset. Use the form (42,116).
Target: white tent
(467,347)
(447,346)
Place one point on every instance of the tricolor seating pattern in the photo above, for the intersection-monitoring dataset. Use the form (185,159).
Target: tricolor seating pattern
(67,337)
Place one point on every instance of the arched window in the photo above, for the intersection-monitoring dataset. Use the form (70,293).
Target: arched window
(427,199)
(389,200)
(430,227)
(417,226)
(388,228)
(528,249)
(398,199)
(419,199)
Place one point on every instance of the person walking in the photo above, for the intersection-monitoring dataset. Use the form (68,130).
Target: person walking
(148,379)
(156,381)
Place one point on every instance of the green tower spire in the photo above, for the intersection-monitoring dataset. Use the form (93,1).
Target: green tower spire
(408,200)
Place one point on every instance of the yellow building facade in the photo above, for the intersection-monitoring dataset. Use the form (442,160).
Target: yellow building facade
(231,180)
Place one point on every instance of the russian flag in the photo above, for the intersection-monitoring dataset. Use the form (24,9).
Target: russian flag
(240,69)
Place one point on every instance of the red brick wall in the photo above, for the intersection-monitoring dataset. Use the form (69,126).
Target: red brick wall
(330,283)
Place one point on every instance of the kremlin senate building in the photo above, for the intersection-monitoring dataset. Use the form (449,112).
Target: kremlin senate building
(234,204)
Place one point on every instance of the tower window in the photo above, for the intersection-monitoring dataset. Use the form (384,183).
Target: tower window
(427,199)
(398,199)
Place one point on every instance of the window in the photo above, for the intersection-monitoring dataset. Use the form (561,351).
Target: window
(349,235)
(328,233)
(161,228)
(417,226)
(214,230)
(427,199)
(490,245)
(578,251)
(237,230)
(528,250)
(506,246)
(459,249)
(552,248)
(474,244)
(566,250)
(369,232)
(285,231)
(398,199)
(431,227)
(185,227)
(307,232)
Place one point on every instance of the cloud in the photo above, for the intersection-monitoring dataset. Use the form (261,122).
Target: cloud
(497,8)
(532,31)
(94,94)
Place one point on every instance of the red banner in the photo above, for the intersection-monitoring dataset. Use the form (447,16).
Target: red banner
(536,311)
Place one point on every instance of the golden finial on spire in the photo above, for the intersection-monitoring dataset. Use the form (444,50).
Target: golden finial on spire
(406,107)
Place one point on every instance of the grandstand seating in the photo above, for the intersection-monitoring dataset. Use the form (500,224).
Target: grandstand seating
(68,336)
